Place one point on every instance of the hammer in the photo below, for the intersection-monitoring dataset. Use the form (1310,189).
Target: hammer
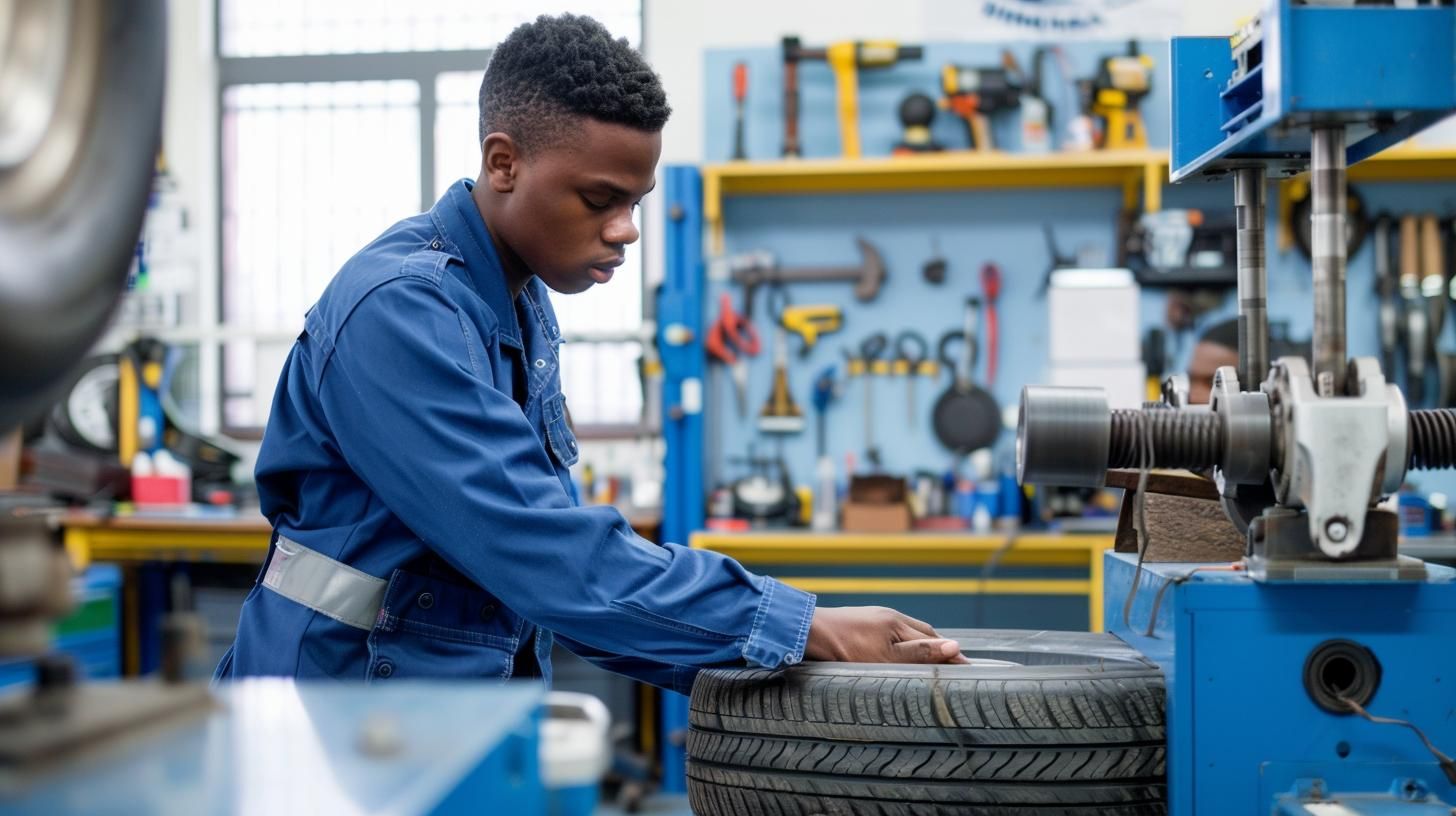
(868,277)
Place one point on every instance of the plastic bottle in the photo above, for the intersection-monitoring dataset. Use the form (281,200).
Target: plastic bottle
(826,489)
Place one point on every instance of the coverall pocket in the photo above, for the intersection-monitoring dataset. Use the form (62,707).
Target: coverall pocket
(429,627)
(558,432)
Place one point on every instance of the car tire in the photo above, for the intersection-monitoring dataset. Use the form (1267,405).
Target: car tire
(75,174)
(1039,723)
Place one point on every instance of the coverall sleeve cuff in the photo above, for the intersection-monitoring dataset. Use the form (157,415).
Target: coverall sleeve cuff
(780,627)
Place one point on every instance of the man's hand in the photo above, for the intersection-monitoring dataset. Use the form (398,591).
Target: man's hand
(874,634)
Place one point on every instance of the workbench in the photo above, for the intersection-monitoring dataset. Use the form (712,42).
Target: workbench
(240,538)
(217,538)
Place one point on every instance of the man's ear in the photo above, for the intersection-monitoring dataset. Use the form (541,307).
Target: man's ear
(500,159)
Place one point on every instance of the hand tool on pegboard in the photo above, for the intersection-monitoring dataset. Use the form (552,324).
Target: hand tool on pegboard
(780,414)
(1386,291)
(755,269)
(826,390)
(731,340)
(740,98)
(1434,289)
(862,363)
(1058,260)
(917,113)
(935,268)
(1416,325)
(845,59)
(812,322)
(966,416)
(991,292)
(1433,275)
(911,353)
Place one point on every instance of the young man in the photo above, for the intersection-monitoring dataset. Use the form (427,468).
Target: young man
(1217,347)
(415,462)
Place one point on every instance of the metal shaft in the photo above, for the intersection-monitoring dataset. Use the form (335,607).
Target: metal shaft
(1253,280)
(1327,252)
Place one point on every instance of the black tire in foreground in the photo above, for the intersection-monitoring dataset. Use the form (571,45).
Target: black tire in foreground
(1039,723)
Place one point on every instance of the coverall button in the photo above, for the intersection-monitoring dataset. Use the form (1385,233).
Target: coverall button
(487,612)
(540,363)
(435,244)
(385,669)
(426,600)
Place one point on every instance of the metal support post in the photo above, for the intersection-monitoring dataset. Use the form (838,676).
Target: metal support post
(1327,251)
(1253,281)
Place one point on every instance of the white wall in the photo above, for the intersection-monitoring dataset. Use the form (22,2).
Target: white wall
(189,140)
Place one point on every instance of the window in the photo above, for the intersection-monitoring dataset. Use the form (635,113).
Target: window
(340,118)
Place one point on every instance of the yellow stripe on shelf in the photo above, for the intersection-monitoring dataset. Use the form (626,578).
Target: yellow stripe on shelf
(940,586)
(901,550)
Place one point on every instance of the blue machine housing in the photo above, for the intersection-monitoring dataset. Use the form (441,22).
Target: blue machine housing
(1245,735)
(273,746)
(1313,64)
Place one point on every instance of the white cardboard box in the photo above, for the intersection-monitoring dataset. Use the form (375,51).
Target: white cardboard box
(1094,317)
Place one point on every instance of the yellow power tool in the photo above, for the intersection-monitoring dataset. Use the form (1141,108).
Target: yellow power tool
(1121,84)
(812,322)
(845,59)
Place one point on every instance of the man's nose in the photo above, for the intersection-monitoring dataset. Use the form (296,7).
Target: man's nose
(620,230)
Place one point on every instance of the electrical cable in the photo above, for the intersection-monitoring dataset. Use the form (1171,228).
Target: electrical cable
(1448,765)
(1182,579)
(992,562)
(1140,515)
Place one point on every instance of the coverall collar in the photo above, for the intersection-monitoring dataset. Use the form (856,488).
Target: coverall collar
(461,223)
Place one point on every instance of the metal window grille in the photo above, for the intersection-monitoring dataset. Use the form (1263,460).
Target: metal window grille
(339,118)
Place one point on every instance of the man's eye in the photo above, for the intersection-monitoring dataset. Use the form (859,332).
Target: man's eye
(592,205)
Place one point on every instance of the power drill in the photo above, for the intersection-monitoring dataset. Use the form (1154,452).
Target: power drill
(845,59)
(974,94)
(1120,85)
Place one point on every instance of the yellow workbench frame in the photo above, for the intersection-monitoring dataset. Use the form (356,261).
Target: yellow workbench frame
(923,549)
(89,537)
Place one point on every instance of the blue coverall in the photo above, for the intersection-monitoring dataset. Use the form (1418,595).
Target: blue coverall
(419,435)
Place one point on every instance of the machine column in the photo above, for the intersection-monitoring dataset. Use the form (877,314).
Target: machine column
(1327,251)
(1253,286)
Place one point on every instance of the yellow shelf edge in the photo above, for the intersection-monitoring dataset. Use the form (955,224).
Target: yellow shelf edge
(1012,170)
(941,586)
(940,162)
(950,541)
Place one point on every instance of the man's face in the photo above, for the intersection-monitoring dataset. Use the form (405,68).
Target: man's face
(1207,359)
(571,209)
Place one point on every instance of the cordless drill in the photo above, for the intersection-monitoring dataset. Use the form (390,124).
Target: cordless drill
(1120,85)
(974,94)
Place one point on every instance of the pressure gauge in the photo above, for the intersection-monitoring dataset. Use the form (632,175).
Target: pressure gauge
(86,415)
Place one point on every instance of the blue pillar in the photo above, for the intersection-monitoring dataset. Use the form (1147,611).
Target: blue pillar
(680,338)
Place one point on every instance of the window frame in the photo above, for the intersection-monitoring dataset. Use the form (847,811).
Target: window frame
(422,67)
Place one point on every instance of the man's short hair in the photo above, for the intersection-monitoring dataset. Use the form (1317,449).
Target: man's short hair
(1224,333)
(548,73)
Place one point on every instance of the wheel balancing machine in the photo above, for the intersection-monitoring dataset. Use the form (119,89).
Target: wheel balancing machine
(1316,675)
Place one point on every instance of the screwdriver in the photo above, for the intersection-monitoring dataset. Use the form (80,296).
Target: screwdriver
(740,94)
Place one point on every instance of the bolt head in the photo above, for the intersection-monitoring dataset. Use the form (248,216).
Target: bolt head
(1337,529)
